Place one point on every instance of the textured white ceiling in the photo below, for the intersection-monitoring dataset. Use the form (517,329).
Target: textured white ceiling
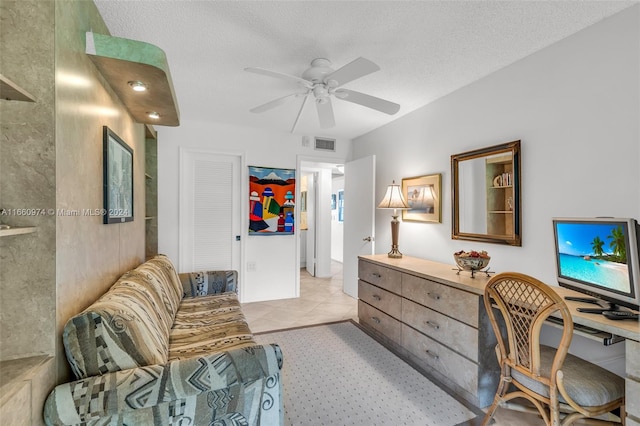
(425,49)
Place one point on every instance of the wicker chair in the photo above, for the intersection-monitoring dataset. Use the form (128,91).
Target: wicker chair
(551,379)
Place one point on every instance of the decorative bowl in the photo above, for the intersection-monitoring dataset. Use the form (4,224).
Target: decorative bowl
(473,261)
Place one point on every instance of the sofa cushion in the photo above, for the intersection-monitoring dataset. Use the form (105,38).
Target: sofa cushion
(125,328)
(209,282)
(161,268)
(208,324)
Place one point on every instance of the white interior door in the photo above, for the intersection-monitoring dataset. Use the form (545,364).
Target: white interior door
(311,224)
(209,221)
(359,218)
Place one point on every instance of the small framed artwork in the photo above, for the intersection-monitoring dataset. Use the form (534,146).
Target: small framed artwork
(117,178)
(341,206)
(422,193)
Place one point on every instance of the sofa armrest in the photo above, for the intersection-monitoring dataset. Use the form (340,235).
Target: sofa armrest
(115,394)
(203,283)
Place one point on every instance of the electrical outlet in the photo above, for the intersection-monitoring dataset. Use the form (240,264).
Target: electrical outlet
(251,266)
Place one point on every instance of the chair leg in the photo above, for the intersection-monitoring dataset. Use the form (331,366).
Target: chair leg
(487,417)
(502,389)
(554,412)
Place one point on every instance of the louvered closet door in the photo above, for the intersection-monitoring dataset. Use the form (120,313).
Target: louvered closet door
(209,211)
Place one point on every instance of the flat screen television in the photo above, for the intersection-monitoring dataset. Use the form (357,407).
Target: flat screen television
(599,257)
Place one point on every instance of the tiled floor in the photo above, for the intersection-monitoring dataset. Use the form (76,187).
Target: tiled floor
(322,300)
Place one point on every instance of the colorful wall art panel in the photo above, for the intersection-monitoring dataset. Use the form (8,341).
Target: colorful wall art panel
(271,201)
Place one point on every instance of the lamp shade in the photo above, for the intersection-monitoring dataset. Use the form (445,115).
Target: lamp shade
(393,198)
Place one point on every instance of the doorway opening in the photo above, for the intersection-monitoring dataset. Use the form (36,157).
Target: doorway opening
(321,231)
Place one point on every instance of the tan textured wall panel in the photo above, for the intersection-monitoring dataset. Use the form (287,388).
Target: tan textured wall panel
(90,255)
(16,410)
(27,181)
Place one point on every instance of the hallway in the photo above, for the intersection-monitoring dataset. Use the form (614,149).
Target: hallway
(321,300)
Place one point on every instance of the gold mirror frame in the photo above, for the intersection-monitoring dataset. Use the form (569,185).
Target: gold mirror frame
(507,195)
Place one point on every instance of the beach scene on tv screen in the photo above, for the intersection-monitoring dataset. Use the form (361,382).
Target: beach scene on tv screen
(595,253)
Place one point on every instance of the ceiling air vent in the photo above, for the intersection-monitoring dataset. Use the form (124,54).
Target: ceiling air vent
(323,144)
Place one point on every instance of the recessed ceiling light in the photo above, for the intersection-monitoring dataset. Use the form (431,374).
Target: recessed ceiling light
(153,114)
(138,86)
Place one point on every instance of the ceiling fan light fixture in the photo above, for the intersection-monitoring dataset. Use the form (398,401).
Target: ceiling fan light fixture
(322,82)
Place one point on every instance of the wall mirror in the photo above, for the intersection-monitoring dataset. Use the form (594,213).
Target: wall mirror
(486,197)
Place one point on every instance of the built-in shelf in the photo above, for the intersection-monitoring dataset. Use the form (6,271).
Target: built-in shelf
(148,176)
(121,61)
(10,91)
(502,211)
(149,217)
(17,230)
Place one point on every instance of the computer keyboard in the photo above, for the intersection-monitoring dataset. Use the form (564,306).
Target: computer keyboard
(620,315)
(578,327)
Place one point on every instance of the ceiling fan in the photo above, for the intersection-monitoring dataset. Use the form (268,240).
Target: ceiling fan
(322,82)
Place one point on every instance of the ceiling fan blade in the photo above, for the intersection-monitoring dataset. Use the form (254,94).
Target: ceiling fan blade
(325,114)
(274,103)
(295,123)
(280,75)
(368,101)
(354,69)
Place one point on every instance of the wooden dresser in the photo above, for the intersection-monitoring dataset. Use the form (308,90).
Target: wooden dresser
(433,318)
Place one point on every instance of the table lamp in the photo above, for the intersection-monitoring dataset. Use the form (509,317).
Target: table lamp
(393,199)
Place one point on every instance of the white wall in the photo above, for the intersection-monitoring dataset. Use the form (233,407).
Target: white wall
(337,228)
(276,257)
(576,107)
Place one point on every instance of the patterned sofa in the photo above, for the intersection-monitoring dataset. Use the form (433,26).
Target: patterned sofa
(145,353)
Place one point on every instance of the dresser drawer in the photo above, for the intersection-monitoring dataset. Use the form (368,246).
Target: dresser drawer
(456,335)
(380,276)
(447,362)
(632,349)
(379,321)
(383,300)
(632,382)
(455,303)
(632,404)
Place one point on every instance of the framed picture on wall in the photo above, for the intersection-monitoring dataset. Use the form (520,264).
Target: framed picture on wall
(423,196)
(271,201)
(117,178)
(341,206)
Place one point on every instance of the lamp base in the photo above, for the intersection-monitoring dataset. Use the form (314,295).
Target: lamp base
(395,225)
(394,253)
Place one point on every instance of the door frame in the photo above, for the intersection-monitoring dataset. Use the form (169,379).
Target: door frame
(320,160)
(243,205)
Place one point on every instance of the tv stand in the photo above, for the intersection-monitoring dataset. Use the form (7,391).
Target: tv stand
(604,305)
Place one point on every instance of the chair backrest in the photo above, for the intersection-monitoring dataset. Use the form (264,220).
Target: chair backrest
(525,303)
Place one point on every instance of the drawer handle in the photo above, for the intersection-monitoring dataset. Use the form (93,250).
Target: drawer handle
(434,296)
(376,297)
(432,355)
(377,275)
(376,320)
(433,324)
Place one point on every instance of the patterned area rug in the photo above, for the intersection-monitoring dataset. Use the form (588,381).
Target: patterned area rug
(336,374)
